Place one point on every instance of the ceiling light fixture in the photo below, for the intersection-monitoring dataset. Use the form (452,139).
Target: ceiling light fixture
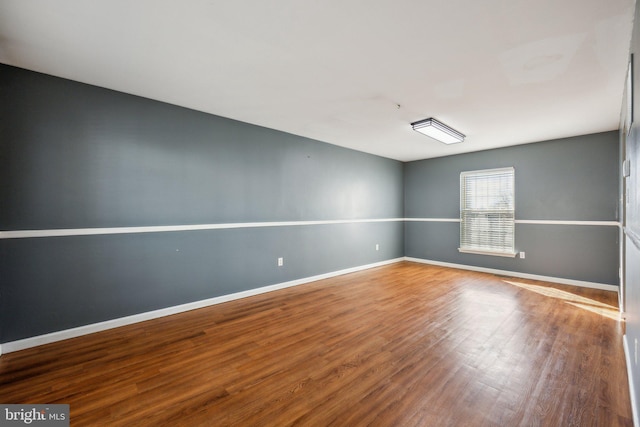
(436,130)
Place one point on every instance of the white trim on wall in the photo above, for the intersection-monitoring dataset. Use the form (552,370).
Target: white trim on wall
(432,219)
(583,284)
(25,343)
(560,222)
(527,221)
(23,234)
(9,347)
(63,232)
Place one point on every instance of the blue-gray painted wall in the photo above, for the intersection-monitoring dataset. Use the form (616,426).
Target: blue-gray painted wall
(78,156)
(573,179)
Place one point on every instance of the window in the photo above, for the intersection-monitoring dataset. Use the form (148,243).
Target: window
(487,212)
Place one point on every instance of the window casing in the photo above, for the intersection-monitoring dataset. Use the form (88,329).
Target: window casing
(487,212)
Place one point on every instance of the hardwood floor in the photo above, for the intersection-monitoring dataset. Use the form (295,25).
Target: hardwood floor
(401,345)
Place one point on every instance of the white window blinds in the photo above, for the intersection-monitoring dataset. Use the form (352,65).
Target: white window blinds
(487,212)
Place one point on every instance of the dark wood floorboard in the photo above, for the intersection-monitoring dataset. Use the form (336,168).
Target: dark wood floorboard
(401,345)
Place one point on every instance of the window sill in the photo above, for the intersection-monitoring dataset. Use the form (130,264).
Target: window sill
(477,252)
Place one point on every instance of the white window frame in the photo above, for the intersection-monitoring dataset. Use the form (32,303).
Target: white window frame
(487,242)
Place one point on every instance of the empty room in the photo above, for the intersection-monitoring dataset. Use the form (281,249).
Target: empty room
(389,213)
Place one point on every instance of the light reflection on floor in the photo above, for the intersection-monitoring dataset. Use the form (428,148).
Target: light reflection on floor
(584,303)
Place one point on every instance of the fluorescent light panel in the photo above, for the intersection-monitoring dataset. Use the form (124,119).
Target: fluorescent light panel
(436,130)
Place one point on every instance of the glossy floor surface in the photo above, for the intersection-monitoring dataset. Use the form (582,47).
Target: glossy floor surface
(400,345)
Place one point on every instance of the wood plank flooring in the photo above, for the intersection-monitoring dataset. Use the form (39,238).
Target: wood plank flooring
(400,345)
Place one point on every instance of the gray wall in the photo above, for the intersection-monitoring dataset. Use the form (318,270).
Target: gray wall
(631,221)
(573,179)
(77,156)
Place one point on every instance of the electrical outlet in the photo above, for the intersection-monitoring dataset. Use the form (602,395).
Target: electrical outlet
(280,262)
(522,255)
(377,246)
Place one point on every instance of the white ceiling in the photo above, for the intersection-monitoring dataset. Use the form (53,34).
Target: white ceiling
(352,73)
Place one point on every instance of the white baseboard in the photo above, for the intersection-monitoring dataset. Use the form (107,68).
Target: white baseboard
(9,347)
(632,390)
(30,342)
(593,285)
